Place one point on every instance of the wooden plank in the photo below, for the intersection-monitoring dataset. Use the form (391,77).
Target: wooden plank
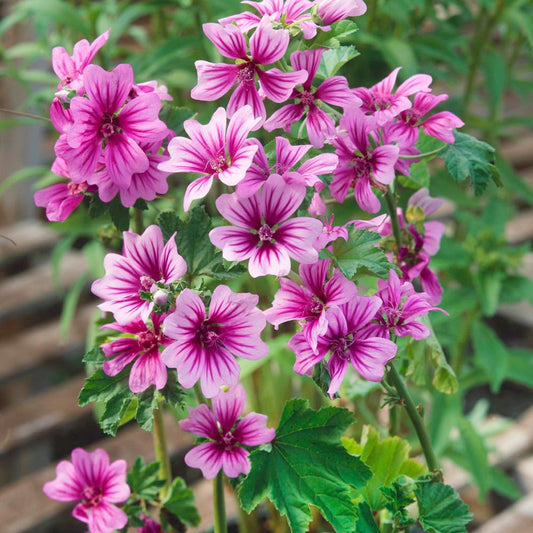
(23,506)
(25,237)
(41,344)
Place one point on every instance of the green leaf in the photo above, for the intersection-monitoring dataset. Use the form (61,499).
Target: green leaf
(180,502)
(335,58)
(470,158)
(144,481)
(120,215)
(307,466)
(174,117)
(440,508)
(343,29)
(365,519)
(70,304)
(168,222)
(475,454)
(397,497)
(520,366)
(495,71)
(387,459)
(503,484)
(490,354)
(359,255)
(419,176)
(148,401)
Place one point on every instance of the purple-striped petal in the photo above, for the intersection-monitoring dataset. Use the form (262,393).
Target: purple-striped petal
(237,244)
(228,406)
(252,430)
(277,85)
(207,457)
(201,422)
(214,80)
(228,39)
(243,212)
(279,200)
(268,45)
(297,236)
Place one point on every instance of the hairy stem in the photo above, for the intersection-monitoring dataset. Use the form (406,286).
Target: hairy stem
(219,505)
(416,420)
(21,114)
(395,222)
(138,220)
(161,451)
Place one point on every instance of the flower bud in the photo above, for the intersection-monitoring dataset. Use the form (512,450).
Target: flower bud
(160,297)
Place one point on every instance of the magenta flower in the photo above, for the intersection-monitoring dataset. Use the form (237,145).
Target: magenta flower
(348,341)
(261,231)
(333,91)
(287,156)
(401,307)
(360,166)
(96,484)
(226,434)
(104,125)
(150,526)
(267,46)
(309,303)
(213,151)
(145,260)
(69,69)
(383,103)
(205,347)
(330,233)
(142,346)
(288,13)
(331,11)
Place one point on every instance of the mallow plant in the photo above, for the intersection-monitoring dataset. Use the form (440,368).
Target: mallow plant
(255,286)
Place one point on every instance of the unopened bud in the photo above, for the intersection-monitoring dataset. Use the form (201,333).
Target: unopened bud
(160,297)
(62,95)
(414,213)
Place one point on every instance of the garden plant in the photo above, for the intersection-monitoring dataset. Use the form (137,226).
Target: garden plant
(269,269)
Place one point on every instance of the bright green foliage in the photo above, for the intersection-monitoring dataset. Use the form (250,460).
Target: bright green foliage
(174,117)
(490,354)
(397,497)
(387,459)
(440,508)
(469,158)
(335,58)
(359,255)
(307,465)
(365,520)
(116,404)
(144,481)
(179,505)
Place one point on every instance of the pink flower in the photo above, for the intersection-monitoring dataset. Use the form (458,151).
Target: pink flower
(103,125)
(287,156)
(69,69)
(331,11)
(150,526)
(267,46)
(309,303)
(226,434)
(205,347)
(401,307)
(145,260)
(333,91)
(330,233)
(360,166)
(288,13)
(263,232)
(347,341)
(383,104)
(96,484)
(142,346)
(213,151)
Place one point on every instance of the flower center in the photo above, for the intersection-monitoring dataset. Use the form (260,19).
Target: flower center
(340,346)
(265,233)
(228,440)
(316,307)
(307,98)
(246,74)
(92,496)
(361,166)
(208,334)
(410,117)
(146,283)
(109,126)
(382,102)
(148,340)
(76,188)
(218,164)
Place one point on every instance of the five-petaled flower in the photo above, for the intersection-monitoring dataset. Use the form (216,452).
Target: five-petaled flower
(96,484)
(226,433)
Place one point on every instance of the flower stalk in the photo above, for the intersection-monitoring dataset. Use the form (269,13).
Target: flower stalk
(161,451)
(219,505)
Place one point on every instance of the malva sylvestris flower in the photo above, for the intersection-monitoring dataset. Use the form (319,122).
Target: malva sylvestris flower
(142,346)
(226,434)
(96,484)
(205,347)
(145,260)
(213,150)
(263,231)
(267,46)
(348,342)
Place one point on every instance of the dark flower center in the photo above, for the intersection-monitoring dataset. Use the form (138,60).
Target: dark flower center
(307,98)
(148,340)
(92,496)
(146,283)
(228,440)
(266,233)
(208,334)
(109,126)
(382,102)
(316,307)
(410,117)
(218,163)
(76,188)
(340,346)
(361,166)
(246,74)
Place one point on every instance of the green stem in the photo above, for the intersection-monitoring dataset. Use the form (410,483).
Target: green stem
(394,420)
(393,213)
(138,220)
(480,40)
(415,417)
(219,506)
(21,114)
(424,155)
(161,451)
